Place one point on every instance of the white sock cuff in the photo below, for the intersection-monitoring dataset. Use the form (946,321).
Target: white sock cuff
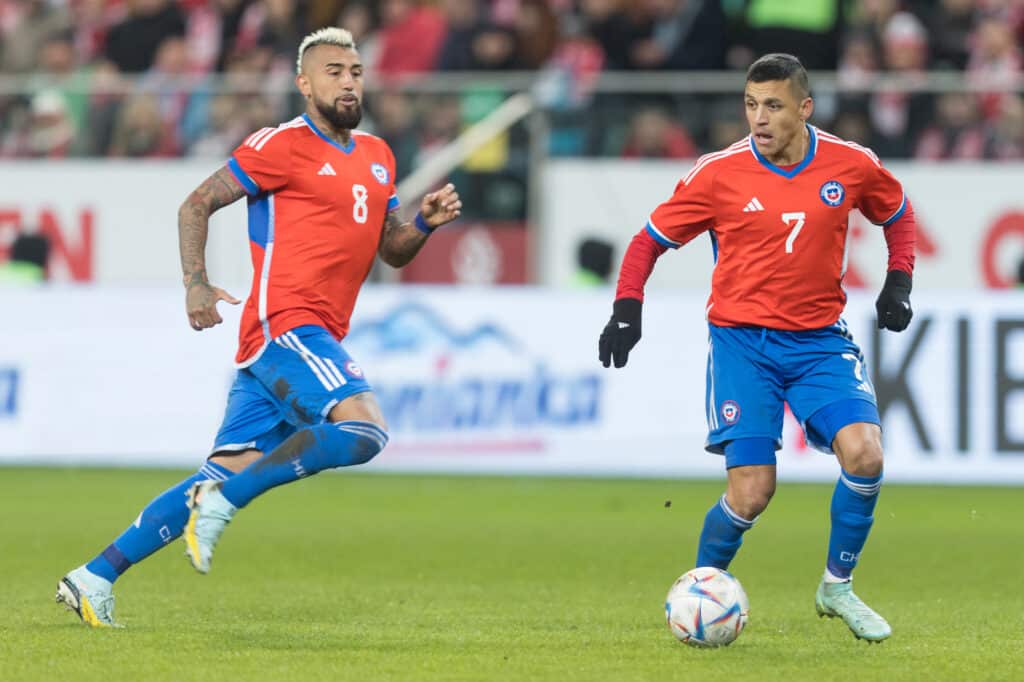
(862,489)
(737,520)
(829,578)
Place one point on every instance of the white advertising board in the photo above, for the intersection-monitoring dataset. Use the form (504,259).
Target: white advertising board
(971,219)
(115,222)
(500,381)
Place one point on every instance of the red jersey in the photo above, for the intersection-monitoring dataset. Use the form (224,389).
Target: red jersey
(316,211)
(779,234)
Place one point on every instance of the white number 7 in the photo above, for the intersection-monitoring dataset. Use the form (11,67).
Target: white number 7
(789,218)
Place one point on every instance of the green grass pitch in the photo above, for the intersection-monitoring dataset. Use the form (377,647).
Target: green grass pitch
(379,577)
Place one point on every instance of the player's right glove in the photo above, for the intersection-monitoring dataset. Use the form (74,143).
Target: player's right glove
(893,304)
(621,333)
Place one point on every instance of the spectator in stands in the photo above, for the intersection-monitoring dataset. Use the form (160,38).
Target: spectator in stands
(949,30)
(858,60)
(654,135)
(685,34)
(871,17)
(226,126)
(617,29)
(46,130)
(410,37)
(725,125)
(463,23)
(1005,139)
(165,80)
(59,71)
(90,22)
(104,104)
(231,32)
(995,60)
(899,117)
(281,29)
(33,22)
(853,125)
(472,42)
(537,30)
(441,123)
(394,120)
(27,262)
(318,13)
(808,29)
(957,133)
(494,48)
(132,43)
(139,132)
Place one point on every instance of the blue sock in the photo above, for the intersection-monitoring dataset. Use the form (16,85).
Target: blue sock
(161,521)
(722,535)
(853,508)
(304,453)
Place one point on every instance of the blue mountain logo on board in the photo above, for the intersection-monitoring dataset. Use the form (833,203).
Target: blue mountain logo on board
(431,375)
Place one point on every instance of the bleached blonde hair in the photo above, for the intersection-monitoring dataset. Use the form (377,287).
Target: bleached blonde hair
(325,36)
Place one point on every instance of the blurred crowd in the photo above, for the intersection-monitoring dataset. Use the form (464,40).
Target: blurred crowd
(207,72)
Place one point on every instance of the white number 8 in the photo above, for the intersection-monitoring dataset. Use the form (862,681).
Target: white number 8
(360,211)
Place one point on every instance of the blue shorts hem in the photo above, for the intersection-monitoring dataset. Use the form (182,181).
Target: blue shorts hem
(822,426)
(716,446)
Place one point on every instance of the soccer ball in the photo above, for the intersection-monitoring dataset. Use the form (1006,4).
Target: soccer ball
(706,607)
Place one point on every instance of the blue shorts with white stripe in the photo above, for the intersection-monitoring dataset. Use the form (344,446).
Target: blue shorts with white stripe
(299,377)
(753,372)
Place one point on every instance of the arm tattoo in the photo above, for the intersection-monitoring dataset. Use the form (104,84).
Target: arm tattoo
(217,191)
(400,241)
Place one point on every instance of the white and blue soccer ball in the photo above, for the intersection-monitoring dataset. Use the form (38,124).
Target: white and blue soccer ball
(706,607)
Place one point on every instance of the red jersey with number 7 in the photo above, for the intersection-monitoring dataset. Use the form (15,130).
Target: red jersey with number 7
(779,235)
(316,211)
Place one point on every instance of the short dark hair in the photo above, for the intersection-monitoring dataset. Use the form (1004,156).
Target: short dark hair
(779,66)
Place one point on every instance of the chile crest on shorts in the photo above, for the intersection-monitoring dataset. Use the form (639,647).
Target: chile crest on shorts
(833,193)
(730,412)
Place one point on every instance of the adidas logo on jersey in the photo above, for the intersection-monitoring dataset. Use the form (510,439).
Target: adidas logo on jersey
(326,170)
(754,205)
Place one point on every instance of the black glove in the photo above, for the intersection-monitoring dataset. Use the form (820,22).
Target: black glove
(621,333)
(893,304)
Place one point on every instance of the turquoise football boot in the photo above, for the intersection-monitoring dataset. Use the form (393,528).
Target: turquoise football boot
(838,599)
(209,515)
(88,595)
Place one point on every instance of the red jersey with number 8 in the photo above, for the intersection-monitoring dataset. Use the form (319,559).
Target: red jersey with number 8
(779,235)
(316,211)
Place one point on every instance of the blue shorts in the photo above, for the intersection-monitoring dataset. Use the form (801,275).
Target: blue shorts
(752,372)
(299,377)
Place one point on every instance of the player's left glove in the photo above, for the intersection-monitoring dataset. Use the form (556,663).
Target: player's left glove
(621,333)
(893,304)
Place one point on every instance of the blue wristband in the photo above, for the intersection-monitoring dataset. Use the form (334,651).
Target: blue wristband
(421,225)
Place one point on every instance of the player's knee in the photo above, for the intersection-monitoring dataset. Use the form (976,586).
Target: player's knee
(863,456)
(750,503)
(750,497)
(368,439)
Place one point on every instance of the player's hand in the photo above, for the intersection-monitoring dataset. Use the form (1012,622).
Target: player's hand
(201,305)
(893,304)
(621,333)
(442,206)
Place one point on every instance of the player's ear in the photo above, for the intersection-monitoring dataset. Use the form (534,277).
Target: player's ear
(806,108)
(302,83)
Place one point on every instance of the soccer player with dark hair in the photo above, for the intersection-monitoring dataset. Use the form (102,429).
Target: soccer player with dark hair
(776,206)
(322,205)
